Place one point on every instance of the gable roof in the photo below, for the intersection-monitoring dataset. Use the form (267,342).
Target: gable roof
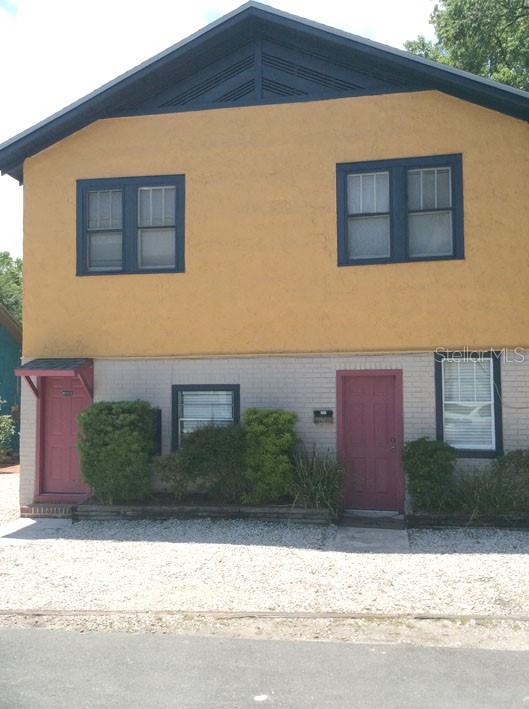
(11,325)
(253,55)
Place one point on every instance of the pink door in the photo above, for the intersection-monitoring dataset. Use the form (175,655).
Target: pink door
(369,410)
(63,399)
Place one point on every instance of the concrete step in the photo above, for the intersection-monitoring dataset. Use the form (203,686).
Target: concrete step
(378,519)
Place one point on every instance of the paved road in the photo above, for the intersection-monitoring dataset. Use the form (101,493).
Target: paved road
(41,669)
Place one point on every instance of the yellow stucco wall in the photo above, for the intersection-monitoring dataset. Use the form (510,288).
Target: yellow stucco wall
(261,273)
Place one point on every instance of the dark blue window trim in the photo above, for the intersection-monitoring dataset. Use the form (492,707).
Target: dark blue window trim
(496,379)
(398,198)
(177,388)
(129,187)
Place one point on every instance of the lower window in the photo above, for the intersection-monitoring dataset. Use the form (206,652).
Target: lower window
(469,402)
(199,405)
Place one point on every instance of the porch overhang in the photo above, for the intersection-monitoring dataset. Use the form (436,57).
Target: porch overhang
(55,367)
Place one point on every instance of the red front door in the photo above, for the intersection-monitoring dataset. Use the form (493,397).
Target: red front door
(63,398)
(369,410)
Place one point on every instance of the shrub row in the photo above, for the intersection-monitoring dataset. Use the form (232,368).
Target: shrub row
(500,490)
(252,463)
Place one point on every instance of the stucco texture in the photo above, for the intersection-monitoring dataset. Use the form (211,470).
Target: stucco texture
(261,273)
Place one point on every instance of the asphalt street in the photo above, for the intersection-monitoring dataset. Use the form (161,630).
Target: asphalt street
(41,669)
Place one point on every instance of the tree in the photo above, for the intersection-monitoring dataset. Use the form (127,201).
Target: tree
(11,284)
(485,37)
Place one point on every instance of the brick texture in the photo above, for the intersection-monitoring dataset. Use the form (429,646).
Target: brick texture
(299,384)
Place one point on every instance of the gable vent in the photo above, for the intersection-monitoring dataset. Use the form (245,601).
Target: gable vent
(304,72)
(211,82)
(279,89)
(237,93)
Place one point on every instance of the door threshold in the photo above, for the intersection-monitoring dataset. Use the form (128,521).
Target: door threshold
(372,513)
(383,519)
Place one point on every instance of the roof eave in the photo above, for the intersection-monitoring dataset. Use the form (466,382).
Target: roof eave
(96,104)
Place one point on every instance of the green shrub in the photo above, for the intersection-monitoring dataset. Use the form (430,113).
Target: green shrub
(502,490)
(317,481)
(167,468)
(211,460)
(7,431)
(271,441)
(429,468)
(479,494)
(116,443)
(512,473)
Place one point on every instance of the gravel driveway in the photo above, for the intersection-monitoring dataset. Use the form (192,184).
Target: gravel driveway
(245,566)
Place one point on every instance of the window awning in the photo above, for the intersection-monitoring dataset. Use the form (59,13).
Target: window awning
(54,367)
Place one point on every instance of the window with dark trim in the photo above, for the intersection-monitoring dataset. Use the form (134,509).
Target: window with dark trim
(408,209)
(468,402)
(130,225)
(196,405)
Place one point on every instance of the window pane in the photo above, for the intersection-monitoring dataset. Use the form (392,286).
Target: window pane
(469,426)
(156,248)
(483,383)
(156,206)
(414,190)
(105,209)
(382,191)
(368,193)
(444,196)
(468,421)
(368,237)
(354,194)
(429,189)
(450,380)
(430,234)
(208,406)
(104,250)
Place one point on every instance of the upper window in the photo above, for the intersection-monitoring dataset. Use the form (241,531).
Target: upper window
(469,401)
(400,210)
(195,406)
(130,225)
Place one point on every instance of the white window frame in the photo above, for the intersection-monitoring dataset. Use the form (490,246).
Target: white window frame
(491,402)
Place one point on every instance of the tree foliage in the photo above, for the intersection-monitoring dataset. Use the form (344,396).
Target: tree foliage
(485,37)
(11,284)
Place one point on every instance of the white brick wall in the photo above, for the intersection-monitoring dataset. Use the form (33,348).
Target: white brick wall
(515,400)
(299,384)
(28,420)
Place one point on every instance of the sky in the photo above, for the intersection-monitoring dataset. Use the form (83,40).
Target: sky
(52,52)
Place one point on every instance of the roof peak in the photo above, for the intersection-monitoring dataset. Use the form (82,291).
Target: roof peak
(115,96)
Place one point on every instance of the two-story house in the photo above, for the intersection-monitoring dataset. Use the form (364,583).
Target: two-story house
(275,213)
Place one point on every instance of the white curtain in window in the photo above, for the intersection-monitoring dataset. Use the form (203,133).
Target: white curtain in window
(468,403)
(368,215)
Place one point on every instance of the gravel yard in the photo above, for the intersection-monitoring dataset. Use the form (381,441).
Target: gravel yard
(9,508)
(249,566)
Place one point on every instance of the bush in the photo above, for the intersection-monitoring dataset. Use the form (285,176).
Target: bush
(167,468)
(512,473)
(211,460)
(429,468)
(479,494)
(7,431)
(270,440)
(116,443)
(317,481)
(502,490)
